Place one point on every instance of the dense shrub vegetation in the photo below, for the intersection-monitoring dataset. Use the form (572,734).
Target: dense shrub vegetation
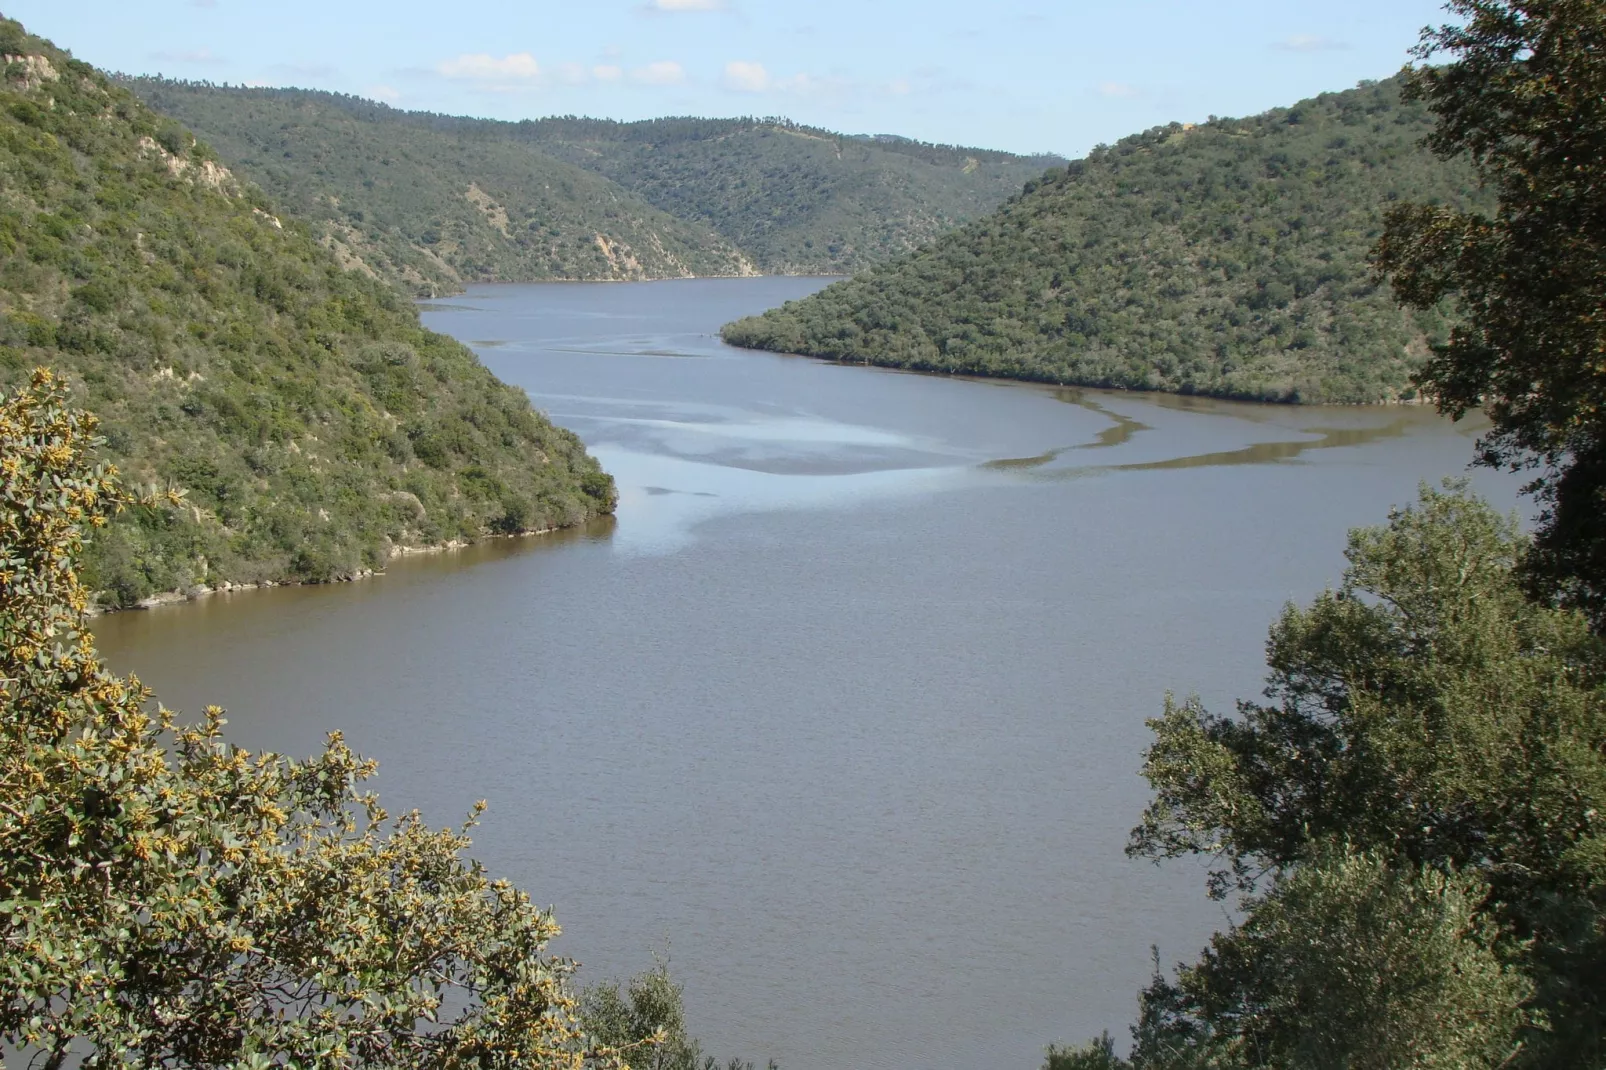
(435,200)
(430,208)
(795,199)
(311,422)
(1228,259)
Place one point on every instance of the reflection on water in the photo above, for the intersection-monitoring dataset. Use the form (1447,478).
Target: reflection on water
(1120,431)
(1367,426)
(1273,452)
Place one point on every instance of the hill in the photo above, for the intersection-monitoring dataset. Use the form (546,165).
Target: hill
(312,422)
(418,195)
(795,199)
(1228,259)
(433,208)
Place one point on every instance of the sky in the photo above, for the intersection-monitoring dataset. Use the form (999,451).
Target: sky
(1022,75)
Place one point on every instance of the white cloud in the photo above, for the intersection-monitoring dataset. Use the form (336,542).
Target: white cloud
(676,6)
(663,72)
(607,72)
(1118,89)
(388,94)
(1309,42)
(511,69)
(745,76)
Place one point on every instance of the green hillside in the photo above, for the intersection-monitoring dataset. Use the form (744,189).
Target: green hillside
(1228,259)
(407,191)
(312,423)
(795,199)
(431,208)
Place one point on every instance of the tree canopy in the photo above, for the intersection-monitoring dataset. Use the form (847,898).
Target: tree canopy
(432,201)
(1523,96)
(429,209)
(1228,258)
(1413,815)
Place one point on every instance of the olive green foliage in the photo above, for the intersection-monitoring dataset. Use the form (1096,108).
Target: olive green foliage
(795,199)
(645,1018)
(1524,99)
(432,208)
(1348,963)
(167,899)
(670,196)
(310,420)
(1095,1055)
(1415,815)
(1227,259)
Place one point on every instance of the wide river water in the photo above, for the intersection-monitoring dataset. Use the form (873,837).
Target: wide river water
(845,711)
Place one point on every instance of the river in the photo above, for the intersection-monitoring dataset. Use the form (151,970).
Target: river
(844,713)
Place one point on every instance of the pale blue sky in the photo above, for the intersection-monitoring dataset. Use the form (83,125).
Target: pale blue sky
(1024,75)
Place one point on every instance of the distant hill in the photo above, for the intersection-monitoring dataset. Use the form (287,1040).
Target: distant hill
(1227,259)
(795,199)
(433,208)
(434,200)
(311,421)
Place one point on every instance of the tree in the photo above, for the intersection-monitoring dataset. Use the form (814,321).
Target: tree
(646,1015)
(168,899)
(1525,99)
(1349,963)
(646,1010)
(1414,817)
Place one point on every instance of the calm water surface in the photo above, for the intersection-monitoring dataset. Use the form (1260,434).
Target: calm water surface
(846,709)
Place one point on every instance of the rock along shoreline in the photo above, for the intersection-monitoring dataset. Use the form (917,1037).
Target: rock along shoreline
(200,591)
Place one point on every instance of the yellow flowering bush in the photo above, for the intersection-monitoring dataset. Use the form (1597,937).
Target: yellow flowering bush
(168,899)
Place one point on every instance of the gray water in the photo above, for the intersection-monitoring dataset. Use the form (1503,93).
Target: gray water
(846,710)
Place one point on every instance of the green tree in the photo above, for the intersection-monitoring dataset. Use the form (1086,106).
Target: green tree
(646,1018)
(646,1010)
(167,899)
(1525,99)
(1414,816)
(1348,963)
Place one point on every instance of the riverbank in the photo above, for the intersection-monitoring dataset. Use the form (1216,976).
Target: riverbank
(732,334)
(201,591)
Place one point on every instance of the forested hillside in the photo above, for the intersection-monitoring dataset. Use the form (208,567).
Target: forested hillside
(431,199)
(797,200)
(432,208)
(312,424)
(1228,259)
